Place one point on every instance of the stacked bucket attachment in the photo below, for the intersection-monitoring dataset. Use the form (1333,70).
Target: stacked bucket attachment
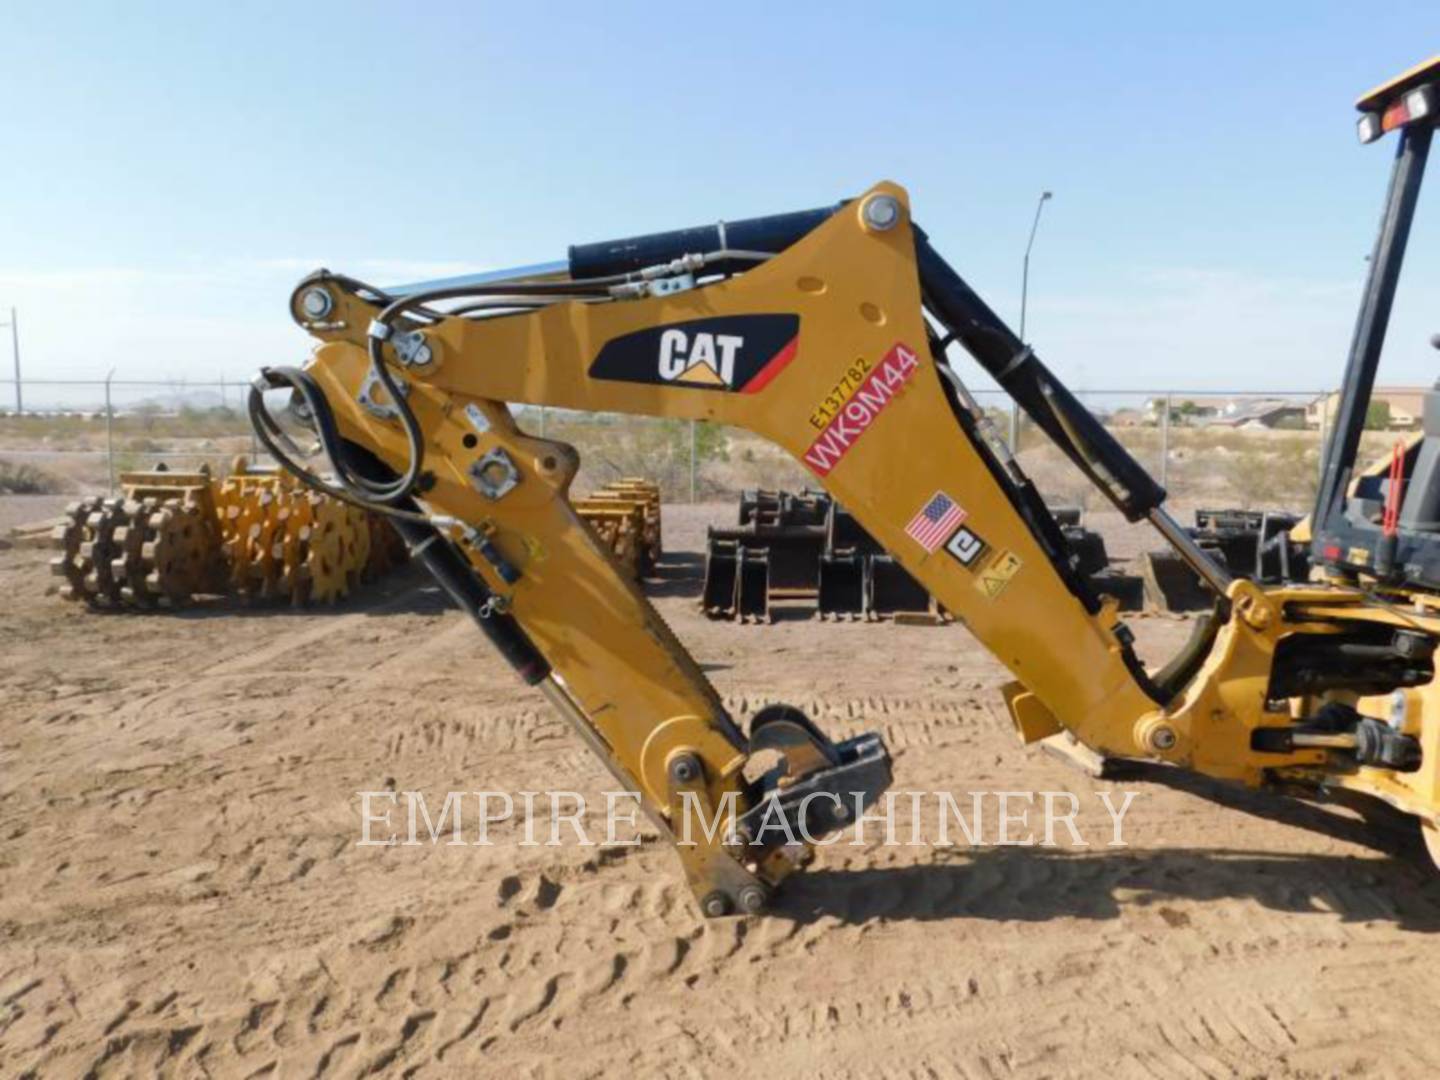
(257,534)
(890,592)
(1249,543)
(1091,561)
(625,515)
(803,546)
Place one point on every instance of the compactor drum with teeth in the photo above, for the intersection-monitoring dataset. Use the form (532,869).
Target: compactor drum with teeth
(625,514)
(257,534)
(85,542)
(165,554)
(282,540)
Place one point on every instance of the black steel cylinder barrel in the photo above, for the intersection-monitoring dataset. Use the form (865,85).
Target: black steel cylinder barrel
(458,578)
(771,234)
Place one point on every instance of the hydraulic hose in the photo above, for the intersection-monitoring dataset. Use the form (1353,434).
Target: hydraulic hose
(473,597)
(278,445)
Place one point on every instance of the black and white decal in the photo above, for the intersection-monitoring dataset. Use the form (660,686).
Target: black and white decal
(965,546)
(735,353)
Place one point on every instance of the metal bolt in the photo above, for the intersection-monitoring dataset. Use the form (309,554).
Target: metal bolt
(684,769)
(753,899)
(316,303)
(715,905)
(1163,738)
(881,212)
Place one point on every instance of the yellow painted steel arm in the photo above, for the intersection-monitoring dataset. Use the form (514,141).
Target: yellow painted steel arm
(857,297)
(857,395)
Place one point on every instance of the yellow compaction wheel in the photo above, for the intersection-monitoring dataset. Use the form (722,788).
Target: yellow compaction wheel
(98,552)
(257,534)
(327,555)
(68,538)
(177,557)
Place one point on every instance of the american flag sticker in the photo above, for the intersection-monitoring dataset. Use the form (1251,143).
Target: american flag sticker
(936,520)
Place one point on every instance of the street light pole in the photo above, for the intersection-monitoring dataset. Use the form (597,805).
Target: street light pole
(1045,196)
(14,325)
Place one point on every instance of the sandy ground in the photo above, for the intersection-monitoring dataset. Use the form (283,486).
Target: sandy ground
(16,510)
(181,893)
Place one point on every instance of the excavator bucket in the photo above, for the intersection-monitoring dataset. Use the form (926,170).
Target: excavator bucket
(1171,585)
(722,571)
(1257,544)
(1128,590)
(890,590)
(752,591)
(842,586)
(795,561)
(783,531)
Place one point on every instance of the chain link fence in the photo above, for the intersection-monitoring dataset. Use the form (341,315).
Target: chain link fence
(1207,447)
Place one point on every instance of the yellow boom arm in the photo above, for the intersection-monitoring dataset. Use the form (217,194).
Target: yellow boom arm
(826,350)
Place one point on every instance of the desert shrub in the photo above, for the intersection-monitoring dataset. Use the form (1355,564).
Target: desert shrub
(22,479)
(1281,475)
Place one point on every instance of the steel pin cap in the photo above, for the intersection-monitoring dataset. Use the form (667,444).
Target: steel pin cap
(880,213)
(316,303)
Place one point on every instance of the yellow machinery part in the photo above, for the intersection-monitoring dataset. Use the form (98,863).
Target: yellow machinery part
(255,534)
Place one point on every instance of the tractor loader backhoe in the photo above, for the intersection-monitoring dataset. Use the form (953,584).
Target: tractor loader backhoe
(831,332)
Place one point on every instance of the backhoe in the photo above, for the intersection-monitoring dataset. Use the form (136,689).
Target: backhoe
(836,333)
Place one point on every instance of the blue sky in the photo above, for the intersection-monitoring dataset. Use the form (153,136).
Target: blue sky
(172,169)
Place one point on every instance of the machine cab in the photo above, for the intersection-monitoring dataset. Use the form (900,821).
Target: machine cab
(1384,523)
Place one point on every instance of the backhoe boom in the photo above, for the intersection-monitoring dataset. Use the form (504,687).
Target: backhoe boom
(829,333)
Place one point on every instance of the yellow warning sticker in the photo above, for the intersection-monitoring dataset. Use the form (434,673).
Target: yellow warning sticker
(993,578)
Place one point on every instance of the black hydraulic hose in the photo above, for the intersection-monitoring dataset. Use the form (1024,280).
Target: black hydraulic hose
(425,542)
(399,489)
(275,441)
(421,536)
(468,591)
(396,491)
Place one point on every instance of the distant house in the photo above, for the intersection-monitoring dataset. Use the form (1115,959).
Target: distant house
(1272,413)
(1205,409)
(1406,405)
(1187,408)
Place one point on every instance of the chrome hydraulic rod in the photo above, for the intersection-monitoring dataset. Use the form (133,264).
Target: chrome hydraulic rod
(1209,570)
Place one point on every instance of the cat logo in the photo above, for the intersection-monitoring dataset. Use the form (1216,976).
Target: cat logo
(707,360)
(731,353)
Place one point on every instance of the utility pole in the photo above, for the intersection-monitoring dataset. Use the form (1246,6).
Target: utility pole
(1045,196)
(14,325)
